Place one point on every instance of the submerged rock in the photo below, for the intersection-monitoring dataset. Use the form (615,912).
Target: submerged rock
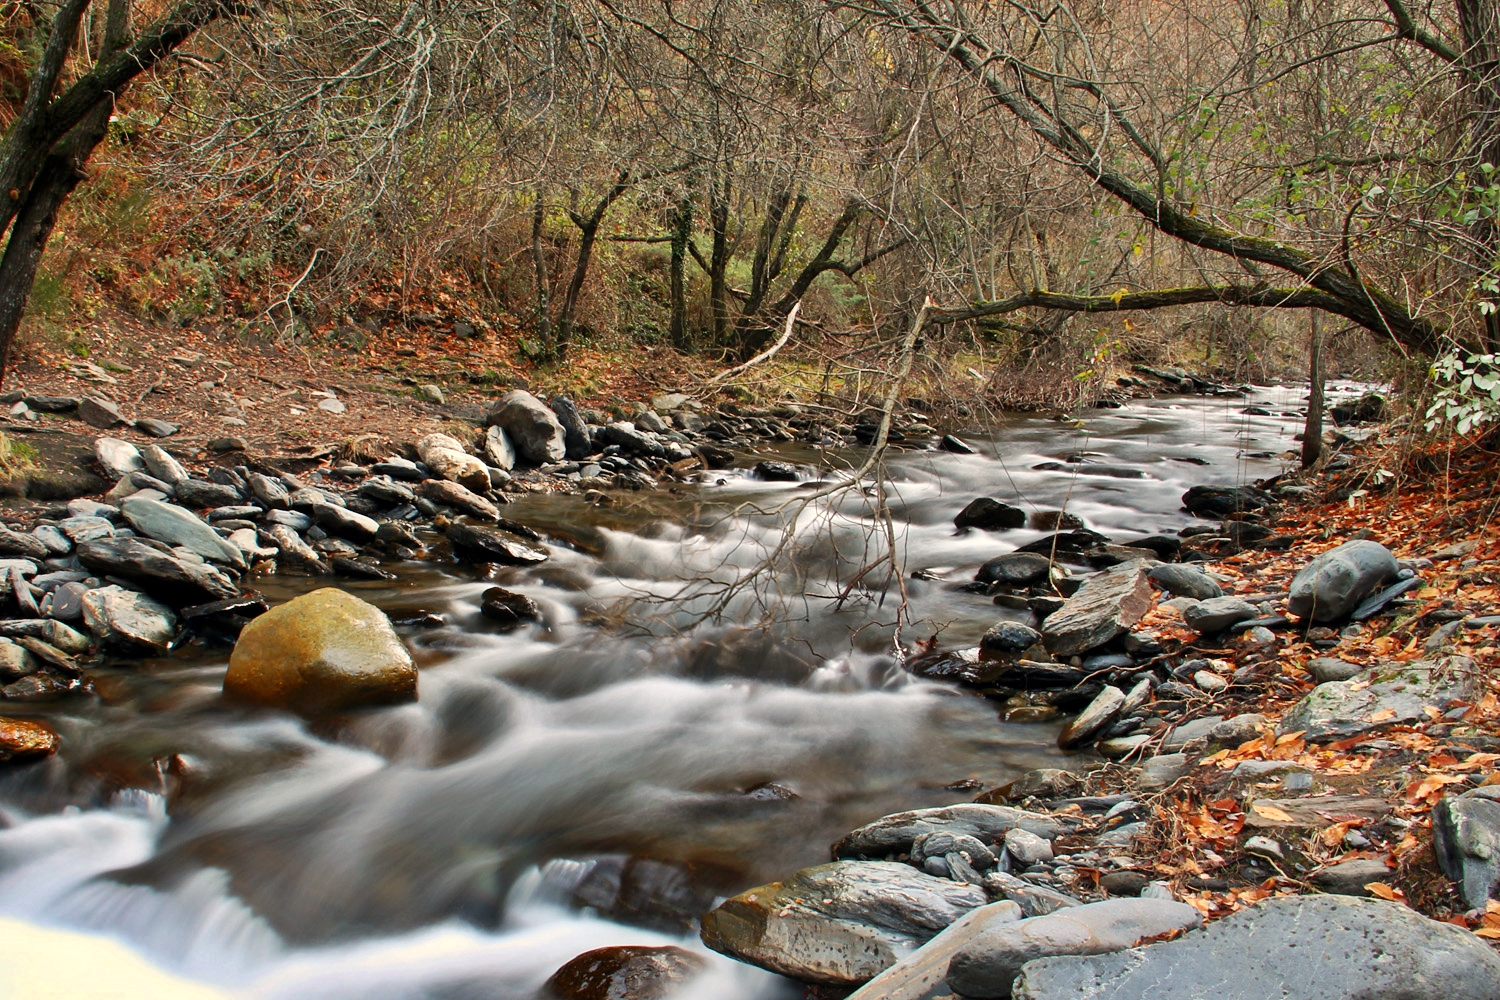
(1330,587)
(989,514)
(838,923)
(322,651)
(492,545)
(25,739)
(1016,569)
(618,973)
(987,966)
(1103,608)
(1291,948)
(508,608)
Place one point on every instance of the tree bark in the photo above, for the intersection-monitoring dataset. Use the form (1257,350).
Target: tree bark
(682,232)
(589,226)
(1312,429)
(539,273)
(1479,20)
(719,253)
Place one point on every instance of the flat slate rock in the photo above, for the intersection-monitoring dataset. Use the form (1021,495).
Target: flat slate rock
(490,545)
(894,834)
(1291,948)
(1103,608)
(1396,694)
(987,965)
(165,576)
(1466,840)
(839,923)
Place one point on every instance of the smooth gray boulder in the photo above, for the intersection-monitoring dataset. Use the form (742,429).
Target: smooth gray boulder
(1289,948)
(895,834)
(1218,613)
(1103,608)
(1329,588)
(987,965)
(125,619)
(270,491)
(1390,695)
(345,523)
(532,427)
(1186,580)
(1329,668)
(915,975)
(1466,840)
(633,440)
(117,458)
(839,923)
(498,451)
(175,526)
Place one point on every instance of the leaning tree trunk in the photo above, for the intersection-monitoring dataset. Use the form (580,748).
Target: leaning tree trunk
(1312,430)
(1480,22)
(682,232)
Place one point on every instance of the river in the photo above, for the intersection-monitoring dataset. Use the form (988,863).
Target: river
(598,783)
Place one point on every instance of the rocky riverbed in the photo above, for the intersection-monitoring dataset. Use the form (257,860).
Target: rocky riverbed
(1281,722)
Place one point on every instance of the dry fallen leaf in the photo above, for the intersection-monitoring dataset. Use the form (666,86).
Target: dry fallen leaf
(1273,813)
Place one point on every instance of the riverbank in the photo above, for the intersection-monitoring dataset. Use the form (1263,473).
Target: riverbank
(1181,806)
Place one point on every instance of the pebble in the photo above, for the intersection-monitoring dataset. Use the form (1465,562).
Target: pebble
(1210,681)
(1027,848)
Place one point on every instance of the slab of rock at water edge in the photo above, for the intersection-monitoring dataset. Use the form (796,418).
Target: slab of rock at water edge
(175,526)
(538,436)
(491,545)
(345,523)
(1466,840)
(914,976)
(838,923)
(1291,948)
(459,497)
(1222,501)
(446,457)
(1330,587)
(1016,569)
(55,633)
(323,651)
(174,580)
(1218,613)
(623,973)
(197,493)
(1103,608)
(224,620)
(297,552)
(124,619)
(1007,640)
(23,740)
(987,965)
(1392,694)
(1092,720)
(989,514)
(894,834)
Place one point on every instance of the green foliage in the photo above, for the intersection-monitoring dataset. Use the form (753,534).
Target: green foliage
(1467,392)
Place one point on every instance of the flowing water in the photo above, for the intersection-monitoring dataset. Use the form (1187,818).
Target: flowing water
(597,783)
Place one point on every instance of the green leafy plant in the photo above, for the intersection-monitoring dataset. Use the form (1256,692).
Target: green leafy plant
(1468,391)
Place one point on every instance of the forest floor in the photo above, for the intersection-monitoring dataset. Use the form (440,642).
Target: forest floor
(1443,515)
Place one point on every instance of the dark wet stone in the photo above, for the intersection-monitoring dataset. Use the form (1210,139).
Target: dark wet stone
(1074,542)
(956,445)
(385,491)
(52,404)
(1222,501)
(24,740)
(491,545)
(1218,613)
(1016,569)
(224,620)
(775,472)
(197,493)
(1007,640)
(358,569)
(509,609)
(575,429)
(989,514)
(624,973)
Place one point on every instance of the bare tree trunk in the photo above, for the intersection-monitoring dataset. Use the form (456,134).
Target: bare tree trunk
(682,232)
(718,258)
(1479,21)
(539,272)
(1312,430)
(589,226)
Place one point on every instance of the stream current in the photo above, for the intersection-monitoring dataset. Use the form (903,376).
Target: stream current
(601,782)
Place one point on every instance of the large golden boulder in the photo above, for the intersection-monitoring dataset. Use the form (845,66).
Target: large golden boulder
(321,652)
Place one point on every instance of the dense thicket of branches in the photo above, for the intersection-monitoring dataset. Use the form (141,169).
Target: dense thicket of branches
(701,167)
